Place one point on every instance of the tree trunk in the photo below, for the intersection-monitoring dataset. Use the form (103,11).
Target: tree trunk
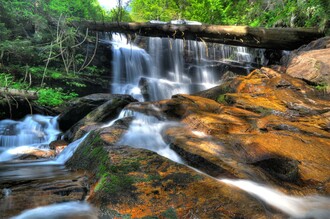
(271,38)
(15,93)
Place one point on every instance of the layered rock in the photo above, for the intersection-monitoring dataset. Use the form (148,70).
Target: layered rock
(136,183)
(37,186)
(270,124)
(104,113)
(311,63)
(266,127)
(77,109)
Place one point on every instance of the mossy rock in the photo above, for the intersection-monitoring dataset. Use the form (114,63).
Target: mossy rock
(130,182)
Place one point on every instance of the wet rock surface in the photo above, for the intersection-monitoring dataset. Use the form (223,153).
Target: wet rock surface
(269,121)
(78,109)
(104,113)
(36,188)
(136,183)
(266,127)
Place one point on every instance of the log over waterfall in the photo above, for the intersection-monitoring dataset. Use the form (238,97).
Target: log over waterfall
(259,37)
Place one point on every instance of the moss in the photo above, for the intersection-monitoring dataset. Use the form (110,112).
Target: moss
(127,166)
(180,178)
(170,214)
(222,99)
(324,87)
(264,111)
(101,183)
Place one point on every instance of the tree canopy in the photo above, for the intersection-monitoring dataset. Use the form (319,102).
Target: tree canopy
(267,13)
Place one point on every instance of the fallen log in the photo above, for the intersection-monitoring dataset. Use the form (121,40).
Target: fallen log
(270,38)
(15,93)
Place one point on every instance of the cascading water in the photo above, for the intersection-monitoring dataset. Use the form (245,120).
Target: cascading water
(145,132)
(33,132)
(171,66)
(296,207)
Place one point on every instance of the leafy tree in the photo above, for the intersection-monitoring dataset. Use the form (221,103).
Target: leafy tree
(165,10)
(268,13)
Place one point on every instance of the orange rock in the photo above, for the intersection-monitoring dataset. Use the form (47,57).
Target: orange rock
(312,66)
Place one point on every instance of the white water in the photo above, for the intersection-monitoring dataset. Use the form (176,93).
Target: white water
(62,210)
(67,153)
(19,137)
(145,132)
(296,207)
(172,66)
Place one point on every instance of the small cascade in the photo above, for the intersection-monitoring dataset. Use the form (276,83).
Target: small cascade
(33,132)
(296,207)
(34,129)
(170,66)
(145,132)
(67,153)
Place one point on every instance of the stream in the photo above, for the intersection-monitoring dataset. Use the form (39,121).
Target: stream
(147,75)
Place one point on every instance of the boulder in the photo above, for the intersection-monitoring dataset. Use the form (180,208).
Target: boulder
(103,113)
(312,66)
(58,146)
(35,153)
(77,109)
(311,62)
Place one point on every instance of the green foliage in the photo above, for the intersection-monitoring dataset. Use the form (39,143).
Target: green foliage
(144,10)
(81,9)
(7,80)
(53,97)
(75,84)
(324,87)
(288,13)
(222,99)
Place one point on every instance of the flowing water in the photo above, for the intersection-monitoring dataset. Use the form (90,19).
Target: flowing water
(165,67)
(20,137)
(171,66)
(61,210)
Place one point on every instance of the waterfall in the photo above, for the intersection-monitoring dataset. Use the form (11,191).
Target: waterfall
(18,137)
(170,66)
